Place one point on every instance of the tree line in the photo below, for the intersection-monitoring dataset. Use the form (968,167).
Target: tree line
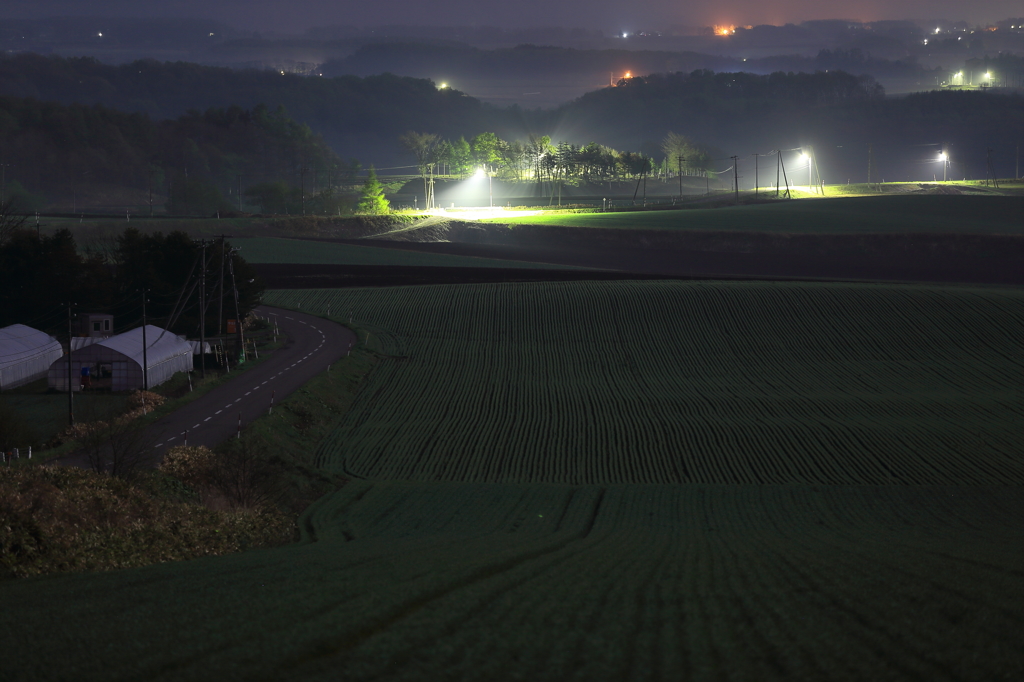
(197,162)
(40,274)
(537,159)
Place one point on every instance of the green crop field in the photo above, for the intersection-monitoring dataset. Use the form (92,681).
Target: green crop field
(608,481)
(680,382)
(843,215)
(301,251)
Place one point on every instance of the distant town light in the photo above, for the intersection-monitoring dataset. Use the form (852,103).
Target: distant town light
(100,34)
(625,35)
(442,86)
(629,74)
(936,30)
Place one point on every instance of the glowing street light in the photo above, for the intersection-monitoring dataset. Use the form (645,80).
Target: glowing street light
(490,191)
(945,164)
(805,156)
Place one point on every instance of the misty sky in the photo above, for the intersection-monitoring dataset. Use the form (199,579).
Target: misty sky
(608,15)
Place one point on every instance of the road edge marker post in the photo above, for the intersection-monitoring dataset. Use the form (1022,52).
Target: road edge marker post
(239,434)
(186,437)
(271,410)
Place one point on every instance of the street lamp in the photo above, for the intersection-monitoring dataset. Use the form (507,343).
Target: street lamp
(490,191)
(804,156)
(945,163)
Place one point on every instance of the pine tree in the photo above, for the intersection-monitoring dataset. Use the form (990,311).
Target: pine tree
(372,200)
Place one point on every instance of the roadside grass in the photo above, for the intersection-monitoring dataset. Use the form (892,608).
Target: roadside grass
(889,214)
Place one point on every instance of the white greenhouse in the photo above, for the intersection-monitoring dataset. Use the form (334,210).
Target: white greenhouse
(25,355)
(116,363)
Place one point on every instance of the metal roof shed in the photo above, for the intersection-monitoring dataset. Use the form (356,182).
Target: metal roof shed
(25,355)
(166,354)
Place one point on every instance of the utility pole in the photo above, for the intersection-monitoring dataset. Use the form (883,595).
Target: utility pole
(238,320)
(302,187)
(239,177)
(786,179)
(990,171)
(810,168)
(756,182)
(71,399)
(736,177)
(871,162)
(150,194)
(220,290)
(679,160)
(202,310)
(145,356)
(778,162)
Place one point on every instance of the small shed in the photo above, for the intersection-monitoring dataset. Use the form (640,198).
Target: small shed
(95,325)
(116,363)
(25,355)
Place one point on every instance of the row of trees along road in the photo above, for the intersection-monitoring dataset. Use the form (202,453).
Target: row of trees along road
(538,160)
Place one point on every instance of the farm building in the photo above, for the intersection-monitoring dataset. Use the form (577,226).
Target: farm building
(25,355)
(116,363)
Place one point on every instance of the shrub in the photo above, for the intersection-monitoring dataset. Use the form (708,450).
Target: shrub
(57,519)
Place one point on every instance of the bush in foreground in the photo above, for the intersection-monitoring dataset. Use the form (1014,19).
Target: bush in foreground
(56,519)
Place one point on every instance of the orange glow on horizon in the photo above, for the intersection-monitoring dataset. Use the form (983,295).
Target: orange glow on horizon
(724,30)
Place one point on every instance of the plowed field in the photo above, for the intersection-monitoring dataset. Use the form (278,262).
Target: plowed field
(680,382)
(616,481)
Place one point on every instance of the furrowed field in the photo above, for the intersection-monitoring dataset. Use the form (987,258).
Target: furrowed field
(672,382)
(610,481)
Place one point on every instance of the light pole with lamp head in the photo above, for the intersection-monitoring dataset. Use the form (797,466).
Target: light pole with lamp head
(490,190)
(945,164)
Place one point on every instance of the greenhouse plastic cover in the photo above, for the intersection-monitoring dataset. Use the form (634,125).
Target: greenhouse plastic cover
(25,354)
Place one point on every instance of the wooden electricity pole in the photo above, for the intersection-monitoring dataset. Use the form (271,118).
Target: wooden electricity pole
(736,176)
(71,399)
(145,356)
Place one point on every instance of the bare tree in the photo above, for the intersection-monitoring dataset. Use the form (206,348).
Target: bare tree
(116,445)
(246,475)
(426,148)
(10,220)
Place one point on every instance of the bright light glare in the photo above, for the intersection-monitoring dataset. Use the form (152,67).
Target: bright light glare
(988,75)
(942,156)
(480,172)
(625,35)
(629,74)
(804,157)
(100,35)
(936,30)
(443,86)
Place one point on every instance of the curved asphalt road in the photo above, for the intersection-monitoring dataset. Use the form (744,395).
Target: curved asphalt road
(313,343)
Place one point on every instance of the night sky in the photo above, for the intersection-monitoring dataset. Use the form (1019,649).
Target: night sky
(608,15)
